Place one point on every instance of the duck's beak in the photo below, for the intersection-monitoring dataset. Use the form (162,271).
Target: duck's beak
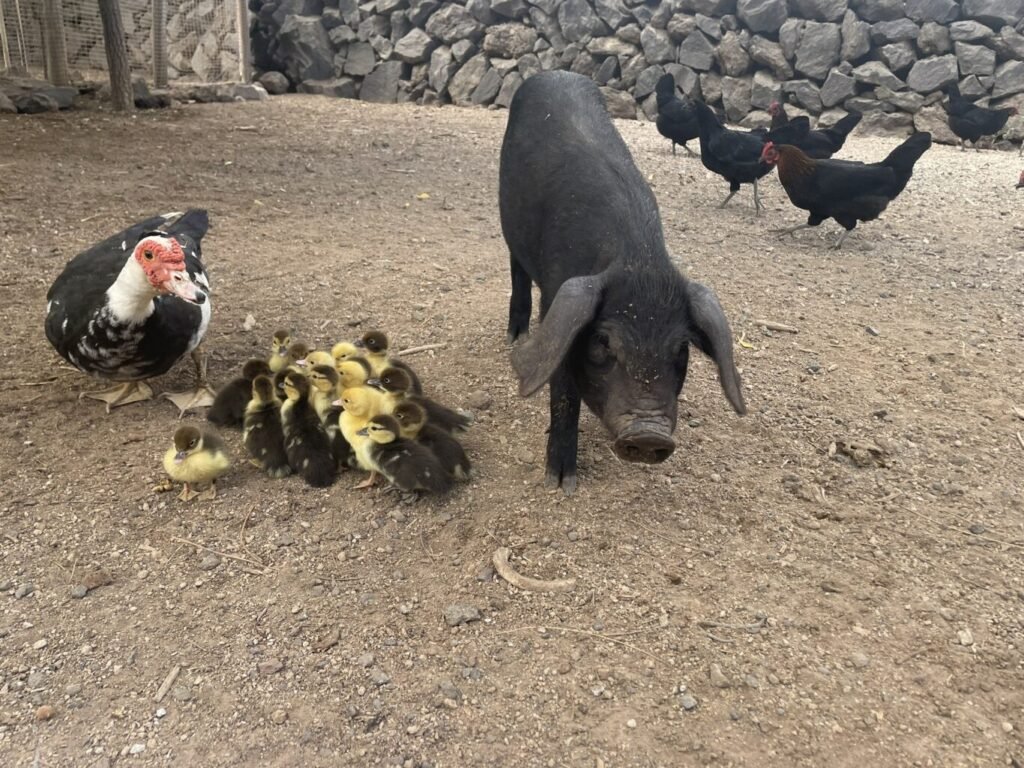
(375,383)
(181,285)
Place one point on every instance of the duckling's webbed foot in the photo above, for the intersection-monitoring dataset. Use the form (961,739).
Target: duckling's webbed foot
(123,394)
(187,494)
(202,396)
(368,482)
(209,494)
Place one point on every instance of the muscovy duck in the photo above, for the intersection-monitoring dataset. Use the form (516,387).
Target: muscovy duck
(130,307)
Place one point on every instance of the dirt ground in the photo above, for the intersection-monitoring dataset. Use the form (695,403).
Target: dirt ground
(835,579)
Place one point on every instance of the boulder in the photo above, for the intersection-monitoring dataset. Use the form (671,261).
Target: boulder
(487,89)
(462,50)
(611,46)
(764,89)
(935,121)
(736,92)
(878,123)
(686,79)
(709,26)
(876,73)
(453,23)
(762,15)
(837,88)
(790,34)
(578,20)
(658,46)
(995,12)
(419,11)
(528,65)
(619,103)
(631,70)
(856,38)
(818,49)
(341,87)
(878,10)
(733,60)
(34,103)
(612,12)
(342,35)
(608,70)
(481,11)
(584,64)
(679,28)
(374,26)
(442,67)
(898,57)
(933,74)
(819,10)
(360,60)
(769,54)
(1009,79)
(381,85)
(941,11)
(933,40)
(975,59)
(415,46)
(401,26)
(696,52)
(510,9)
(1008,44)
(304,45)
(711,87)
(509,41)
(968,31)
(709,7)
(646,81)
(548,29)
(509,86)
(805,93)
(466,80)
(6,105)
(884,32)
(908,101)
(972,88)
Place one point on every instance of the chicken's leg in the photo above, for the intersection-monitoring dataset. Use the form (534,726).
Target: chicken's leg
(673,149)
(726,201)
(202,396)
(842,237)
(789,230)
(757,200)
(123,394)
(690,151)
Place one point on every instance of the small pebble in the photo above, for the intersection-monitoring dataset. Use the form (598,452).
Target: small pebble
(872,331)
(366,660)
(485,574)
(137,749)
(285,540)
(39,644)
(278,716)
(79,591)
(24,591)
(161,712)
(449,690)
(965,637)
(859,660)
(479,400)
(631,723)
(270,666)
(379,677)
(977,529)
(209,562)
(181,693)
(688,702)
(36,680)
(1007,726)
(45,712)
(717,677)
(715,477)
(73,689)
(694,423)
(574,536)
(6,585)
(457,614)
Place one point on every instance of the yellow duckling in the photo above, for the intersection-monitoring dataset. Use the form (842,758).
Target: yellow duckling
(278,359)
(360,406)
(196,457)
(319,357)
(342,351)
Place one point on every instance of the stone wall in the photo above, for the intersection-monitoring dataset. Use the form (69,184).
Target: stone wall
(886,58)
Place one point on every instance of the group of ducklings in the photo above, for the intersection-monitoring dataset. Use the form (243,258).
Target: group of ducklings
(313,412)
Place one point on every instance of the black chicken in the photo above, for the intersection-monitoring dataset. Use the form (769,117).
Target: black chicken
(844,190)
(818,144)
(677,119)
(970,122)
(736,155)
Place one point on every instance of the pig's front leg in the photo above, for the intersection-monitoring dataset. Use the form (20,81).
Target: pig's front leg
(563,432)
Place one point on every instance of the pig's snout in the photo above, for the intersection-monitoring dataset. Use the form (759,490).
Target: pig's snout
(646,442)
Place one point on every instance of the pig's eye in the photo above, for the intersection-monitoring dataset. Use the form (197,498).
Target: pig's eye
(598,350)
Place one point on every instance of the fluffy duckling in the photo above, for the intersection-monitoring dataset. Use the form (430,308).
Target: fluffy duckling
(408,465)
(323,380)
(196,457)
(360,405)
(414,426)
(228,409)
(278,359)
(297,357)
(355,373)
(375,344)
(263,434)
(396,385)
(342,351)
(319,357)
(305,442)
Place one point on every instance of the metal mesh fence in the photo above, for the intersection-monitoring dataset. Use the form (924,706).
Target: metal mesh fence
(201,38)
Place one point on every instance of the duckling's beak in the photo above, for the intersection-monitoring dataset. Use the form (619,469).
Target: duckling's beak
(375,383)
(282,351)
(301,363)
(180,456)
(337,404)
(363,432)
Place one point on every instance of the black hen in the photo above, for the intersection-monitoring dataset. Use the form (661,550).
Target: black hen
(736,155)
(970,122)
(818,144)
(677,119)
(843,190)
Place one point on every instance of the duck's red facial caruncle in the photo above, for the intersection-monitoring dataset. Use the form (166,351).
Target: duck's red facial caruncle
(163,260)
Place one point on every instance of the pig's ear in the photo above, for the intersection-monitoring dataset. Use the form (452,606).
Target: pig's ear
(575,304)
(714,339)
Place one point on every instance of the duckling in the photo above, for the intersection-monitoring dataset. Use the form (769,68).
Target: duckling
(323,380)
(360,405)
(279,378)
(278,359)
(297,357)
(376,345)
(228,409)
(342,351)
(305,442)
(395,383)
(263,434)
(408,465)
(197,456)
(319,357)
(354,373)
(413,420)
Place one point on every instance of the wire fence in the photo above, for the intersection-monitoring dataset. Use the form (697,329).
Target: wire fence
(201,39)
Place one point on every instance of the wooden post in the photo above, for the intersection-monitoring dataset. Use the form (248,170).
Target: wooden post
(117,56)
(56,48)
(244,53)
(159,41)
(5,49)
(22,48)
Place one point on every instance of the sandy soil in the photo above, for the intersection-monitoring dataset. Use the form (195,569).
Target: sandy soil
(835,579)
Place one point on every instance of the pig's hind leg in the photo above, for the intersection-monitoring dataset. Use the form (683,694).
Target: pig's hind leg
(521,303)
(563,432)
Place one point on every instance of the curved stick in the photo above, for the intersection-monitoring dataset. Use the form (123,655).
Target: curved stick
(506,572)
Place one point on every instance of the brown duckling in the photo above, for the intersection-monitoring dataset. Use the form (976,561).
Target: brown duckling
(409,466)
(297,357)
(228,409)
(278,359)
(196,457)
(375,344)
(305,442)
(396,385)
(263,434)
(414,425)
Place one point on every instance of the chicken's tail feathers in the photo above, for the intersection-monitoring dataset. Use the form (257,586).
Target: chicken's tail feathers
(903,158)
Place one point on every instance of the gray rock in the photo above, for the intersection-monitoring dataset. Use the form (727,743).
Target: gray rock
(935,120)
(612,12)
(717,677)
(658,46)
(382,46)
(893,31)
(899,57)
(878,10)
(466,80)
(790,34)
(679,28)
(975,59)
(968,31)
(736,97)
(449,690)
(547,27)
(274,82)
(387,6)
(24,590)
(509,86)
(932,74)
(420,10)
(529,65)
(649,107)
(549,60)
(608,70)
(360,60)
(709,26)
(304,45)
(856,38)
(488,88)
(442,67)
(711,87)
(818,50)
(733,59)
(458,613)
(829,118)
(209,562)
(686,79)
(79,591)
(374,26)
(837,88)
(1009,79)
(878,123)
(401,26)
(941,11)
(805,93)
(631,70)
(584,64)
(709,7)
(687,702)
(511,9)
(933,39)
(6,105)
(769,54)
(762,15)
(463,50)
(611,46)
(381,85)
(1008,44)
(908,101)
(646,82)
(349,11)
(696,52)
(619,103)
(481,11)
(819,10)
(340,36)
(995,11)
(577,20)
(876,73)
(972,88)
(509,40)
(502,67)
(415,47)
(764,89)
(379,677)
(453,23)
(340,88)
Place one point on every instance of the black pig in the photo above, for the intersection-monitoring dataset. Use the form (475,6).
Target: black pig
(617,319)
